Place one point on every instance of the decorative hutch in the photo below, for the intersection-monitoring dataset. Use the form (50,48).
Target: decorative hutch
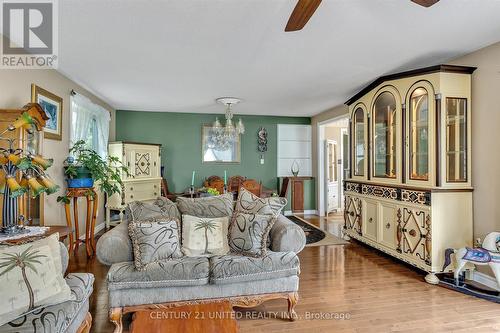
(409,190)
(144,179)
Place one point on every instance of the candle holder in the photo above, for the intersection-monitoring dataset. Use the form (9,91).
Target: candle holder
(191,191)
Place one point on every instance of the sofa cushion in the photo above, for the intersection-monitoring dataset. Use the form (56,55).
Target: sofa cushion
(204,236)
(248,233)
(234,268)
(185,271)
(217,206)
(62,317)
(31,277)
(139,210)
(251,204)
(155,239)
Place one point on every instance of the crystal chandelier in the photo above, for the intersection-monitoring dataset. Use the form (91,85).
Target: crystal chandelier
(223,137)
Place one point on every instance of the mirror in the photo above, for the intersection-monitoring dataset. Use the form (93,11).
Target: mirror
(217,148)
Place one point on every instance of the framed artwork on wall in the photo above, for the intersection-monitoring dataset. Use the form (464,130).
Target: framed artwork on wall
(215,149)
(53,106)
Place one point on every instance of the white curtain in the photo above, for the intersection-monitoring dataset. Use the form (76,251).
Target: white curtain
(83,112)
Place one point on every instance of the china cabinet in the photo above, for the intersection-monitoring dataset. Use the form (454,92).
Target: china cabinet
(31,208)
(408,192)
(143,182)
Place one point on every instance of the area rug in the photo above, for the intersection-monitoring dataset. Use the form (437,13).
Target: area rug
(314,235)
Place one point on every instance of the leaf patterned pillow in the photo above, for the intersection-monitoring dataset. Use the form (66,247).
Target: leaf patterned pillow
(251,204)
(248,233)
(217,206)
(154,240)
(204,236)
(139,210)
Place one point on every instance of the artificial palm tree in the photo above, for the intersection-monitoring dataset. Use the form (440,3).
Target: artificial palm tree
(26,259)
(208,225)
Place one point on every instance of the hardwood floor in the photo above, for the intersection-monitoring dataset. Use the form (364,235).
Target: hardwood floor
(354,288)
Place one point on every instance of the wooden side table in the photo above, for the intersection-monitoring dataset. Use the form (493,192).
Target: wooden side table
(92,202)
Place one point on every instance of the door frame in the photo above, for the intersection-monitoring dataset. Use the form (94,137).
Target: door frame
(320,169)
(326,165)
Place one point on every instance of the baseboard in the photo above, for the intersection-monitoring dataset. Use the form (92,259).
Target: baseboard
(97,228)
(485,279)
(306,212)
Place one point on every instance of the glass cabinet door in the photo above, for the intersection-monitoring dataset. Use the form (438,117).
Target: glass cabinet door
(419,135)
(359,142)
(456,139)
(384,136)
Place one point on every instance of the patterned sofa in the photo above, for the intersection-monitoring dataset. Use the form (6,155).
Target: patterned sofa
(68,317)
(245,281)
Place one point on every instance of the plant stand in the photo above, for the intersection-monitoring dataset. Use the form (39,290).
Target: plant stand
(92,203)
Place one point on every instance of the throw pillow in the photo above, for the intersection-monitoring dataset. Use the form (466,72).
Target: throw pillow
(249,203)
(217,206)
(140,210)
(204,236)
(31,277)
(154,240)
(248,233)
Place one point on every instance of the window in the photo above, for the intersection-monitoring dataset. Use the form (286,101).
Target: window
(419,135)
(89,122)
(359,142)
(384,136)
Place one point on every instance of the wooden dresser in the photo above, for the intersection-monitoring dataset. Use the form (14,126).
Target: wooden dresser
(144,181)
(409,190)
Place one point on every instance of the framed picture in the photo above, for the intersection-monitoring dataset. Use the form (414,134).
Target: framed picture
(53,106)
(215,150)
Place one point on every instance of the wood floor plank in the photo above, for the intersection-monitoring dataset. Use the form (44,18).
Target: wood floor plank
(378,294)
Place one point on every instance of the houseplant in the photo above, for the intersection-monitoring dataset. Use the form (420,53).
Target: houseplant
(88,167)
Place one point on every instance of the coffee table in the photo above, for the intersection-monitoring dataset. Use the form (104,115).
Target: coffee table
(216,317)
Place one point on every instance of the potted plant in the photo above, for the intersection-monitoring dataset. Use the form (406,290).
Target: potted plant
(88,167)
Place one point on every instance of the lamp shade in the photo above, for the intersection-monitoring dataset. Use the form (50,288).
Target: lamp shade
(43,162)
(14,187)
(49,184)
(36,187)
(24,119)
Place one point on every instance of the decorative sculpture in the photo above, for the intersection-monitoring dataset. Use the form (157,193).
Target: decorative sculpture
(24,172)
(487,254)
(262,140)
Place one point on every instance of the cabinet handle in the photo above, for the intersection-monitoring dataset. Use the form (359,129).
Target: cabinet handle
(154,186)
(370,220)
(155,194)
(131,197)
(388,225)
(131,188)
(351,213)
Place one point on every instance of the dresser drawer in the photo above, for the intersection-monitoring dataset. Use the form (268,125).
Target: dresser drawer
(138,191)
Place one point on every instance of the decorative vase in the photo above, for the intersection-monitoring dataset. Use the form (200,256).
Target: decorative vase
(295,168)
(83,178)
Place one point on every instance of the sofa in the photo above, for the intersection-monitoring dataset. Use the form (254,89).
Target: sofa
(243,280)
(67,317)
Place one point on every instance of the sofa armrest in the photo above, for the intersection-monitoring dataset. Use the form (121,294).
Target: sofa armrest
(115,246)
(64,257)
(287,236)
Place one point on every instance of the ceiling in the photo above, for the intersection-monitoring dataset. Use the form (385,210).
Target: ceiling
(180,55)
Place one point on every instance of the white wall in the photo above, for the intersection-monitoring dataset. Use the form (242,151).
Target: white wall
(15,88)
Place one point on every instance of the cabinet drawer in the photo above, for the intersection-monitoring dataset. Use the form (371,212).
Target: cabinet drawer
(388,225)
(138,191)
(370,220)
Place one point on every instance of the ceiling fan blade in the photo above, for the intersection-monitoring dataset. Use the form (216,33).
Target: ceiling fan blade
(425,3)
(302,12)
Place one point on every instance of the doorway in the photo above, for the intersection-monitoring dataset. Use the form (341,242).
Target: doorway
(333,164)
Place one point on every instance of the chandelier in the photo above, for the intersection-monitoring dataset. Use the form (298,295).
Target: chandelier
(223,137)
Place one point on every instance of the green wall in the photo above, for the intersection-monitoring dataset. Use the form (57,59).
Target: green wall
(180,137)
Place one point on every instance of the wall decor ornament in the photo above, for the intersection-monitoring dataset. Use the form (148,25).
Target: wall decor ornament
(295,168)
(53,107)
(262,140)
